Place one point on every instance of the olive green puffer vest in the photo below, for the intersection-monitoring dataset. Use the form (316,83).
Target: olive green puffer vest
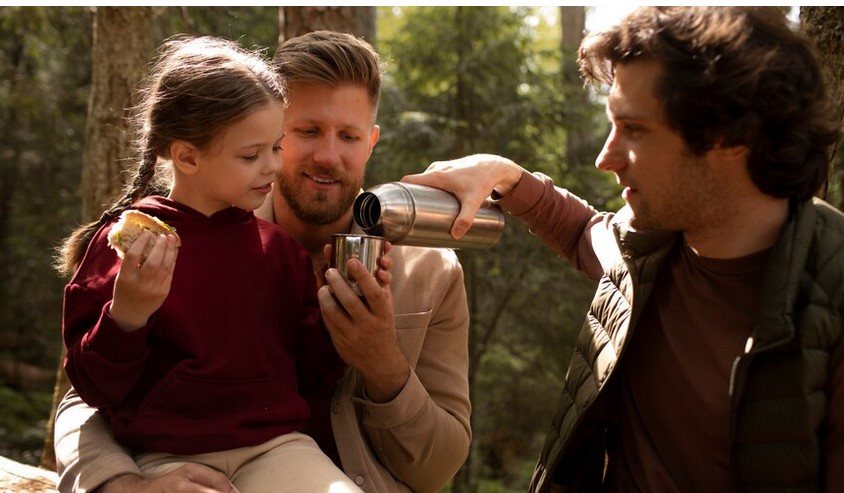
(777,396)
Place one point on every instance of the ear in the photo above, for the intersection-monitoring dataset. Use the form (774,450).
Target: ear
(732,153)
(373,137)
(185,157)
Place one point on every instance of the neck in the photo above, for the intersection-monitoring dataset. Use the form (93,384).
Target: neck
(313,237)
(748,228)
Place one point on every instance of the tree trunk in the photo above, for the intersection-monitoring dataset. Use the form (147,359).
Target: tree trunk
(295,21)
(121,51)
(826,26)
(573,24)
(577,123)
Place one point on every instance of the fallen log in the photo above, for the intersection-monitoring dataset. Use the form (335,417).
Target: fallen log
(21,478)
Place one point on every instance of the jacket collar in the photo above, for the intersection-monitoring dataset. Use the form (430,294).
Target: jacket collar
(788,258)
(782,279)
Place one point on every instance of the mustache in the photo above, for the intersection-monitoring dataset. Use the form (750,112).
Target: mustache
(330,173)
(323,172)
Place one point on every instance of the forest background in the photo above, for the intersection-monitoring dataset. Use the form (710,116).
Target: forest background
(459,80)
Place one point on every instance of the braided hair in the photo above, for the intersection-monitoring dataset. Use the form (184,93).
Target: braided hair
(197,87)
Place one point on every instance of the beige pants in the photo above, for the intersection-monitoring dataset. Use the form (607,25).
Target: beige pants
(291,463)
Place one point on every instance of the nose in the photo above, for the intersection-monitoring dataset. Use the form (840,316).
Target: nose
(327,150)
(611,158)
(272,164)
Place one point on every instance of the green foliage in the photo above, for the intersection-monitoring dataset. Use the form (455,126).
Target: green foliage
(459,80)
(45,53)
(455,69)
(45,59)
(464,80)
(251,26)
(20,437)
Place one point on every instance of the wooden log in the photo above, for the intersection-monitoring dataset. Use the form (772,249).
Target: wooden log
(22,478)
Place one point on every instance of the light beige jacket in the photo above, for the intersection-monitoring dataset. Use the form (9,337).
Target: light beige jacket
(414,443)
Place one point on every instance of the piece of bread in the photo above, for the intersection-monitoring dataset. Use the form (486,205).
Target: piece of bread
(130,225)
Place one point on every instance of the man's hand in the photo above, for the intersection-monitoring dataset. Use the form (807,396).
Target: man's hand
(190,478)
(364,333)
(471,179)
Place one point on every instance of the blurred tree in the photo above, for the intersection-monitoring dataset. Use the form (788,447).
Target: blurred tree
(826,26)
(45,60)
(578,127)
(120,53)
(463,80)
(253,26)
(295,21)
(44,55)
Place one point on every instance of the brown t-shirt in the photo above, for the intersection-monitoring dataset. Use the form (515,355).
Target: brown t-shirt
(671,431)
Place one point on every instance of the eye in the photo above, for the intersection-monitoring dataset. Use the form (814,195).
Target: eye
(631,129)
(252,157)
(349,137)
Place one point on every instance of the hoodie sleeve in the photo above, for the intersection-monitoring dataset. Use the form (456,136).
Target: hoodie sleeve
(103,362)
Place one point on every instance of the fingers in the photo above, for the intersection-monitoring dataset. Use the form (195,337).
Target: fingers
(189,478)
(163,251)
(342,305)
(152,250)
(464,182)
(135,254)
(142,284)
(373,290)
(211,480)
(469,206)
(471,179)
(384,274)
(155,272)
(327,252)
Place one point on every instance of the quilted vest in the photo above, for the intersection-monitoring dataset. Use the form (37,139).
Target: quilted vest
(777,397)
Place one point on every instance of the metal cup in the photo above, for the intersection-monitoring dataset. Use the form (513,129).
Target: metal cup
(368,249)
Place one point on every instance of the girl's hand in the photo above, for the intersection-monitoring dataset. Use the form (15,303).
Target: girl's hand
(142,284)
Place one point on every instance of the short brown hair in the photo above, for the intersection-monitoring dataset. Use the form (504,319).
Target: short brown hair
(333,59)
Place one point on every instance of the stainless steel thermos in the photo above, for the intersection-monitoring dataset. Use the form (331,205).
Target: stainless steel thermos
(416,215)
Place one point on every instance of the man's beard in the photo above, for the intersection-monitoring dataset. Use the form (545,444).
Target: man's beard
(321,209)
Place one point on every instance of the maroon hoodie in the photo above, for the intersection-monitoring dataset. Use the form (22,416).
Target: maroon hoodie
(225,361)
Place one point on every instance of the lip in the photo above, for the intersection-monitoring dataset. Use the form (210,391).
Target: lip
(321,182)
(265,189)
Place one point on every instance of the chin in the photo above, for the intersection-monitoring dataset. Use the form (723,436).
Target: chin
(642,221)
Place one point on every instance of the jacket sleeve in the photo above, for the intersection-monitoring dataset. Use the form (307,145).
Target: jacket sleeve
(86,453)
(567,224)
(834,436)
(103,362)
(422,436)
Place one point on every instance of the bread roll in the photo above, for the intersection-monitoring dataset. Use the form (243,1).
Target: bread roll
(130,225)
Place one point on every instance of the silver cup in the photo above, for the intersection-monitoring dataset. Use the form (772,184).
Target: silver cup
(368,249)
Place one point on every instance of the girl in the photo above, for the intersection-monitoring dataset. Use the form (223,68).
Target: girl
(196,360)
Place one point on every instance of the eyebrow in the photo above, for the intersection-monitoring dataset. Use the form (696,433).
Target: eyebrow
(317,122)
(256,145)
(625,114)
